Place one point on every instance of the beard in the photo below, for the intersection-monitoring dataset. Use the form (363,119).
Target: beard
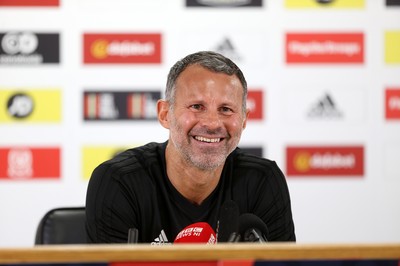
(205,158)
(209,159)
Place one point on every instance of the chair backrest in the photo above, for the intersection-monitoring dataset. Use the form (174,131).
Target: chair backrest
(62,226)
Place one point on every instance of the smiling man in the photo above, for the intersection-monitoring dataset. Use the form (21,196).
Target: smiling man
(160,188)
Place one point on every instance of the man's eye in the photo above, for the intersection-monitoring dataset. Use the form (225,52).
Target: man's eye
(196,106)
(226,109)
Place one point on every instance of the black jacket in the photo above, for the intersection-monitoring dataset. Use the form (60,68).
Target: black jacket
(132,190)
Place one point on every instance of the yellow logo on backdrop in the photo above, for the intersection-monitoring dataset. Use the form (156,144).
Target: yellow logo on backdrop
(99,49)
(36,105)
(392,47)
(94,155)
(302,161)
(324,3)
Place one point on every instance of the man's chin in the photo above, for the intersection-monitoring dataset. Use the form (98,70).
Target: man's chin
(209,164)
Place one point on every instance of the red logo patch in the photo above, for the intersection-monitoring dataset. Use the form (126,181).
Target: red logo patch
(325,161)
(122,48)
(324,48)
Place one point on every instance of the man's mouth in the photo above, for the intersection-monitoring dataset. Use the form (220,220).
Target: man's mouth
(208,140)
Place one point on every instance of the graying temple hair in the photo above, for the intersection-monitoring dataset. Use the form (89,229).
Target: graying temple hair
(210,60)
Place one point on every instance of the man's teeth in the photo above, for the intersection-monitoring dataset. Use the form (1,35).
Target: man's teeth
(208,140)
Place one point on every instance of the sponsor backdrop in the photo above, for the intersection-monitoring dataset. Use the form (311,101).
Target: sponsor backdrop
(79,82)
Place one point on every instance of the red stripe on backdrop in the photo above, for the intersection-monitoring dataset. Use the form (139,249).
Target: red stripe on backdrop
(129,106)
(29,3)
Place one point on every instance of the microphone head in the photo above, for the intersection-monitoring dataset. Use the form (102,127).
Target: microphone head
(200,232)
(248,222)
(228,222)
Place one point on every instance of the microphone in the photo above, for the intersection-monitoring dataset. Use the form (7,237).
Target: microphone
(228,223)
(200,232)
(133,235)
(252,228)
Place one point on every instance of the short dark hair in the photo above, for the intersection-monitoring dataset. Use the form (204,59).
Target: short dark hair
(210,60)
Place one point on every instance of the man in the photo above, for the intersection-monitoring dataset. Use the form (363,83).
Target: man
(160,188)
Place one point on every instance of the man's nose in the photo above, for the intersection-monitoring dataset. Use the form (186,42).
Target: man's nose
(211,119)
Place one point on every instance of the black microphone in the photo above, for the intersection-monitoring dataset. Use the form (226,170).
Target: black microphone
(228,223)
(252,229)
(133,235)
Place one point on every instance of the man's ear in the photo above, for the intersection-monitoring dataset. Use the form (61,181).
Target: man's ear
(245,118)
(162,113)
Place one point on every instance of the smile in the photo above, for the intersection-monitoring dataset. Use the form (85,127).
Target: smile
(203,139)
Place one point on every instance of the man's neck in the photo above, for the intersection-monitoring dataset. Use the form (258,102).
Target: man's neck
(193,183)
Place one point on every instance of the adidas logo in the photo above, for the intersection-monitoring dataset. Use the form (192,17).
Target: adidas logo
(325,108)
(227,49)
(161,239)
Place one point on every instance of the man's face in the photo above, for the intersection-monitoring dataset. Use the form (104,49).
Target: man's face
(207,118)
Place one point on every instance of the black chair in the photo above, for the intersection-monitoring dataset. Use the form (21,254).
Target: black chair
(62,226)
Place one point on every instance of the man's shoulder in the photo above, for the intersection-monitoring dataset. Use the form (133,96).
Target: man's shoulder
(256,172)
(248,162)
(243,159)
(134,158)
(146,151)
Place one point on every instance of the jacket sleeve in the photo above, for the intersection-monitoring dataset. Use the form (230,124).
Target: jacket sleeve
(109,211)
(277,211)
